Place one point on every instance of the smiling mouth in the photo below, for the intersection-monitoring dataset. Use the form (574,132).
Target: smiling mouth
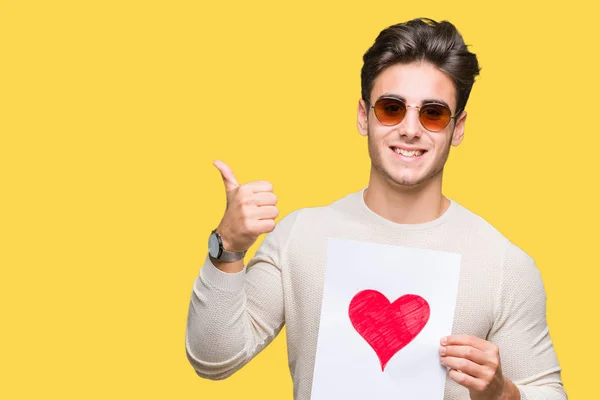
(409,154)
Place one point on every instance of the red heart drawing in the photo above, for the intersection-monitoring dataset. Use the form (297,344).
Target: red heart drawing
(388,327)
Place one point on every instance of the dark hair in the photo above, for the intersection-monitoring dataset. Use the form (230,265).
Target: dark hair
(422,39)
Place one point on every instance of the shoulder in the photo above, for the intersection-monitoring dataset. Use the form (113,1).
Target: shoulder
(488,240)
(520,271)
(479,226)
(517,266)
(517,279)
(484,239)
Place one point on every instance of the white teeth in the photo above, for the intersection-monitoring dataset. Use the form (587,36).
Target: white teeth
(414,153)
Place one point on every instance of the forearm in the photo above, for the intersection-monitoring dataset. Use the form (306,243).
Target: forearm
(552,391)
(224,329)
(215,339)
(524,392)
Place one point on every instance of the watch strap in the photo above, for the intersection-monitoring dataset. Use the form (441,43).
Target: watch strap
(231,256)
(225,255)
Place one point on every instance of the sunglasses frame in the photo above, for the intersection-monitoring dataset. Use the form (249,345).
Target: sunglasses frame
(411,106)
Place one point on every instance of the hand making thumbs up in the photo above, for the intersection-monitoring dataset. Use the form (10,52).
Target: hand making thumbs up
(250,210)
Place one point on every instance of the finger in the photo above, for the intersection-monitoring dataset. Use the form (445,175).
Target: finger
(466,340)
(227,175)
(259,186)
(265,212)
(265,225)
(264,199)
(464,365)
(466,380)
(468,352)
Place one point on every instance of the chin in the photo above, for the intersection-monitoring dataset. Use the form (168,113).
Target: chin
(408,183)
(411,181)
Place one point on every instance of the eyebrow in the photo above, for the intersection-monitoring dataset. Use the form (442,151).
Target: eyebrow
(425,101)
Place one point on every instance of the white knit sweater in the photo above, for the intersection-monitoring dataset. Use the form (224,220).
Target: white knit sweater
(501,296)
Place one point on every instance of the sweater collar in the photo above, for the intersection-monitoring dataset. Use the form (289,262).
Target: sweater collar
(376,218)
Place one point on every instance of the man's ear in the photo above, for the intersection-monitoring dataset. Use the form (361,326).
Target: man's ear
(362,118)
(459,129)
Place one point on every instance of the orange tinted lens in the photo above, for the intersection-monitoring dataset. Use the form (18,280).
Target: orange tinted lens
(390,111)
(435,117)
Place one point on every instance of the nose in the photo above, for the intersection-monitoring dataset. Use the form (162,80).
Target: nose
(411,126)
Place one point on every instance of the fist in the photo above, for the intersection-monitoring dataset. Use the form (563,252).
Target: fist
(250,210)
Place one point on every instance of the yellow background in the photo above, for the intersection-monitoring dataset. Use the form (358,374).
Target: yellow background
(111,115)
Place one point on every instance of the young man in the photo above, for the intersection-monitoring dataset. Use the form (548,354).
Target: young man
(416,80)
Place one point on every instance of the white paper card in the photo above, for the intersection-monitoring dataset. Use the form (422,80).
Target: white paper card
(397,300)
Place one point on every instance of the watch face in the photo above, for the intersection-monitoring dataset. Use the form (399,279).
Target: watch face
(213,246)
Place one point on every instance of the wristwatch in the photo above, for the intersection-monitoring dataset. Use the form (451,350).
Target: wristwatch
(217,252)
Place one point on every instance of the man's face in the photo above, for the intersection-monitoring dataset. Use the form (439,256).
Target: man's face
(415,83)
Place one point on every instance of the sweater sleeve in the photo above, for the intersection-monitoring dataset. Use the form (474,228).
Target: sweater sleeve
(233,316)
(521,332)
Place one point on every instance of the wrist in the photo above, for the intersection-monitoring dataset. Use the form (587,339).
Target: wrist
(510,391)
(218,249)
(226,239)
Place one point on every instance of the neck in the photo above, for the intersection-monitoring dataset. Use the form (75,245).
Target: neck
(406,204)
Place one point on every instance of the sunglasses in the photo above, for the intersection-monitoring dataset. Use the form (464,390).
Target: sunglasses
(433,116)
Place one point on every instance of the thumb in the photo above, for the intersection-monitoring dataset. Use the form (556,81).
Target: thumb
(227,175)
